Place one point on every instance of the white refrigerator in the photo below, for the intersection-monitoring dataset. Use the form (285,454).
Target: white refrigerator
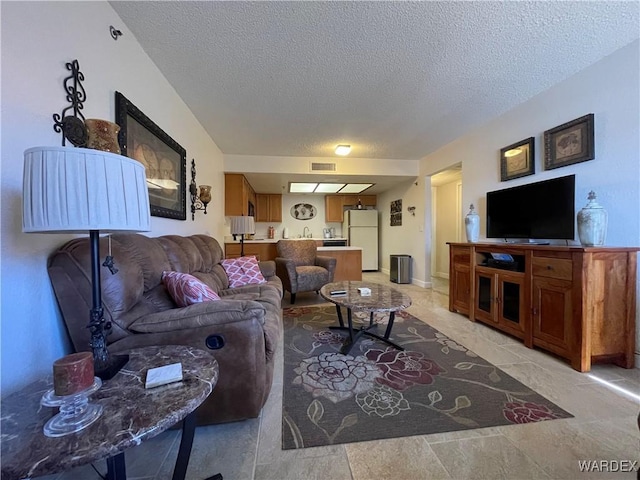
(361,229)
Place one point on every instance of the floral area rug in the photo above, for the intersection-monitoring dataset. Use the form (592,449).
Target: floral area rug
(376,391)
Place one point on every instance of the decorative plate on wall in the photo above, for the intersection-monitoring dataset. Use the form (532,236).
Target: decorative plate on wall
(303,211)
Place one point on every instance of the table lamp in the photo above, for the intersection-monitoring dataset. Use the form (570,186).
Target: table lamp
(79,190)
(241,226)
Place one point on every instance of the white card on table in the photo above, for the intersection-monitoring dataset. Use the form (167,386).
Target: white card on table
(163,375)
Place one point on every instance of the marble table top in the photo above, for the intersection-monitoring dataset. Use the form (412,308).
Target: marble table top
(382,299)
(131,413)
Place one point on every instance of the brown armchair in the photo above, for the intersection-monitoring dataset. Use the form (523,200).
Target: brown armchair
(300,268)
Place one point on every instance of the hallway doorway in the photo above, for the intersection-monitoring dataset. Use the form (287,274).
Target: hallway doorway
(446,216)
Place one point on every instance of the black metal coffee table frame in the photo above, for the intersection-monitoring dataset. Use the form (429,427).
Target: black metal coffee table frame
(354,334)
(379,299)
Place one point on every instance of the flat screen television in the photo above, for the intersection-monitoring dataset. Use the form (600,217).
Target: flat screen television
(536,211)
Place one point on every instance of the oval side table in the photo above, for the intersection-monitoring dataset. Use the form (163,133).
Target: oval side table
(131,414)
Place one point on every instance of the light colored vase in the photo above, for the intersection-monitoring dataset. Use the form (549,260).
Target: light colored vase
(592,223)
(472,225)
(102,135)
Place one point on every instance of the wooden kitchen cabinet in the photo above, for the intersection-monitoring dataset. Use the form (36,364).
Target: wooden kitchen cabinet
(336,204)
(577,302)
(351,200)
(268,207)
(333,208)
(238,194)
(262,251)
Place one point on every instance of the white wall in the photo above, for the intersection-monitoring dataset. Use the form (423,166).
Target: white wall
(295,226)
(408,238)
(38,38)
(610,90)
(302,165)
(447,224)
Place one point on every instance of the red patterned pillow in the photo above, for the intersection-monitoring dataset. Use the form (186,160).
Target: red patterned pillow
(186,289)
(243,271)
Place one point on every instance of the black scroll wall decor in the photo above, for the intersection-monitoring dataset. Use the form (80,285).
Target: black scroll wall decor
(71,122)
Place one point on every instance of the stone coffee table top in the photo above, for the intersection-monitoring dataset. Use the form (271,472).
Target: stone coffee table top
(131,413)
(382,299)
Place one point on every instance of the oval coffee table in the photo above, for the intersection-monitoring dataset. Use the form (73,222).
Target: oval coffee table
(382,299)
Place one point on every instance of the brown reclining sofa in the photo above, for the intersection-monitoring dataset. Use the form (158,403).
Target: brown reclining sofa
(248,319)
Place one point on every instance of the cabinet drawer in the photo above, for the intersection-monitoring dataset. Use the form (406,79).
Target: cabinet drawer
(560,268)
(461,255)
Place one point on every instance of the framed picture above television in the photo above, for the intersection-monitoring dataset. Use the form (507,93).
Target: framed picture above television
(517,160)
(569,143)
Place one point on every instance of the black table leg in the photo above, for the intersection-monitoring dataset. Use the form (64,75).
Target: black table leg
(184,452)
(116,469)
(186,442)
(392,316)
(339,315)
(350,325)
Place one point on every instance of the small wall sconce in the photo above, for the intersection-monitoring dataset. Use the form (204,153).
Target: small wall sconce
(198,202)
(412,210)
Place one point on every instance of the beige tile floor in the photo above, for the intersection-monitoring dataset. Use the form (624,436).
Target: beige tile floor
(604,427)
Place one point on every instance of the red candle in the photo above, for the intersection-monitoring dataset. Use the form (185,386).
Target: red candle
(72,373)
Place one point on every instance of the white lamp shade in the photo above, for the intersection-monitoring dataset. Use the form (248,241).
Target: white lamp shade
(242,225)
(67,189)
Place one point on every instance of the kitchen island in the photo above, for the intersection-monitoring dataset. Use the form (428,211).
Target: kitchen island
(348,259)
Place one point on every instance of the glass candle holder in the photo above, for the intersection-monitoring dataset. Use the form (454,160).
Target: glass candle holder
(76,413)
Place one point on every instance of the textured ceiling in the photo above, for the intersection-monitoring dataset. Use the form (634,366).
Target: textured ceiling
(396,80)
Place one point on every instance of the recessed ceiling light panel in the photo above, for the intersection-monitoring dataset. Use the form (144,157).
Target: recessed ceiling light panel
(355,187)
(328,187)
(302,187)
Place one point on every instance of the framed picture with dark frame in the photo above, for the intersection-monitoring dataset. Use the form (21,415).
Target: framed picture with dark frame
(517,160)
(569,143)
(165,161)
(396,213)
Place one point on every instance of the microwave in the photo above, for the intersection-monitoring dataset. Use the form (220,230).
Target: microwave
(251,210)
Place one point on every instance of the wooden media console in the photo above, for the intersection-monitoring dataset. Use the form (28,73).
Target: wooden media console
(577,302)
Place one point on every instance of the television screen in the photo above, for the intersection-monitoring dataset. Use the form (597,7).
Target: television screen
(541,210)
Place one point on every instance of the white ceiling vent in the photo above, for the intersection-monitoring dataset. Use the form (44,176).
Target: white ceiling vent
(323,167)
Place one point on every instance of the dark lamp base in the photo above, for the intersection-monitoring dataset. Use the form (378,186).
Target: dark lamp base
(116,362)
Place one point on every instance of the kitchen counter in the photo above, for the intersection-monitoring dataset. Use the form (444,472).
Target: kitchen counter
(230,239)
(348,265)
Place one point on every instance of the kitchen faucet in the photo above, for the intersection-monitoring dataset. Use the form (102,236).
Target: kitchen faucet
(304,233)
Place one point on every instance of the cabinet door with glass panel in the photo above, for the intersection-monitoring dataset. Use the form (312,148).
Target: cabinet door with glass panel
(499,299)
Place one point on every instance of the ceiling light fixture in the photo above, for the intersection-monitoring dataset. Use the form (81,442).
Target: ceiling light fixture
(296,187)
(355,187)
(343,150)
(328,187)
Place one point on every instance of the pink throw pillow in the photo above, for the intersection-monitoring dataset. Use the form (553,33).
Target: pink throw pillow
(186,289)
(243,271)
